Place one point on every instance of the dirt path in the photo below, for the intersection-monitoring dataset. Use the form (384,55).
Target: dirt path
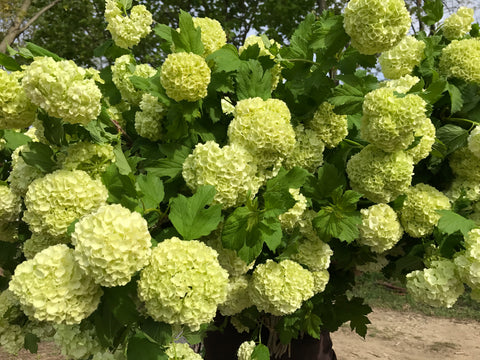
(392,336)
(408,336)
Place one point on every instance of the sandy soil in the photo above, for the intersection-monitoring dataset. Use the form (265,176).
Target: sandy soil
(392,336)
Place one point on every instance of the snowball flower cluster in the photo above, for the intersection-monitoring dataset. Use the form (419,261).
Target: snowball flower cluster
(465,164)
(76,341)
(419,211)
(263,127)
(185,76)
(378,175)
(57,199)
(121,73)
(16,110)
(181,351)
(380,228)
(402,58)
(457,25)
(183,283)
(212,34)
(389,121)
(463,187)
(91,158)
(437,285)
(308,150)
(402,84)
(230,169)
(474,141)
(292,216)
(460,59)
(10,205)
(427,133)
(330,127)
(21,175)
(148,121)
(237,296)
(63,89)
(468,261)
(39,242)
(112,244)
(280,288)
(53,287)
(245,350)
(313,253)
(376,25)
(127,31)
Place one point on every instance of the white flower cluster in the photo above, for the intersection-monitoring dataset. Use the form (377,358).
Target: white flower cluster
(308,150)
(91,158)
(21,175)
(292,216)
(183,283)
(237,296)
(378,175)
(418,214)
(330,127)
(280,288)
(148,121)
(16,110)
(41,241)
(185,76)
(121,73)
(380,228)
(376,25)
(63,89)
(437,285)
(75,341)
(231,169)
(58,198)
(212,34)
(458,24)
(263,127)
(402,58)
(459,59)
(468,261)
(10,205)
(53,287)
(127,31)
(181,351)
(245,350)
(112,244)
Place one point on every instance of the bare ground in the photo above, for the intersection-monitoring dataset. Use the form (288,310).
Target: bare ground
(392,335)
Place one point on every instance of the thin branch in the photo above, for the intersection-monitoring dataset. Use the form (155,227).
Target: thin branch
(37,15)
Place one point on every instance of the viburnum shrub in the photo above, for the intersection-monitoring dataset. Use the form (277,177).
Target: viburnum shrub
(247,185)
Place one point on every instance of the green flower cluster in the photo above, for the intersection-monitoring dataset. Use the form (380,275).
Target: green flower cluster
(127,31)
(40,241)
(378,175)
(89,157)
(280,288)
(183,283)
(263,127)
(313,253)
(402,58)
(427,133)
(213,35)
(418,214)
(459,24)
(380,228)
(181,351)
(10,205)
(468,261)
(465,164)
(121,73)
(148,121)
(76,342)
(112,244)
(474,141)
(16,110)
(245,350)
(308,150)
(329,127)
(53,287)
(402,84)
(292,216)
(58,198)
(437,285)
(231,169)
(63,89)
(185,76)
(389,121)
(21,175)
(376,25)
(237,296)
(459,59)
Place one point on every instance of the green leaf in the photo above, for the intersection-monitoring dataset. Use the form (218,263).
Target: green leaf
(189,38)
(190,217)
(453,137)
(252,81)
(158,331)
(270,231)
(151,190)
(260,352)
(330,36)
(54,131)
(40,156)
(172,165)
(347,99)
(226,59)
(455,98)
(433,10)
(121,188)
(31,342)
(140,347)
(125,4)
(119,300)
(36,50)
(15,139)
(9,63)
(328,179)
(164,32)
(121,161)
(451,222)
(434,92)
(277,195)
(301,40)
(234,233)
